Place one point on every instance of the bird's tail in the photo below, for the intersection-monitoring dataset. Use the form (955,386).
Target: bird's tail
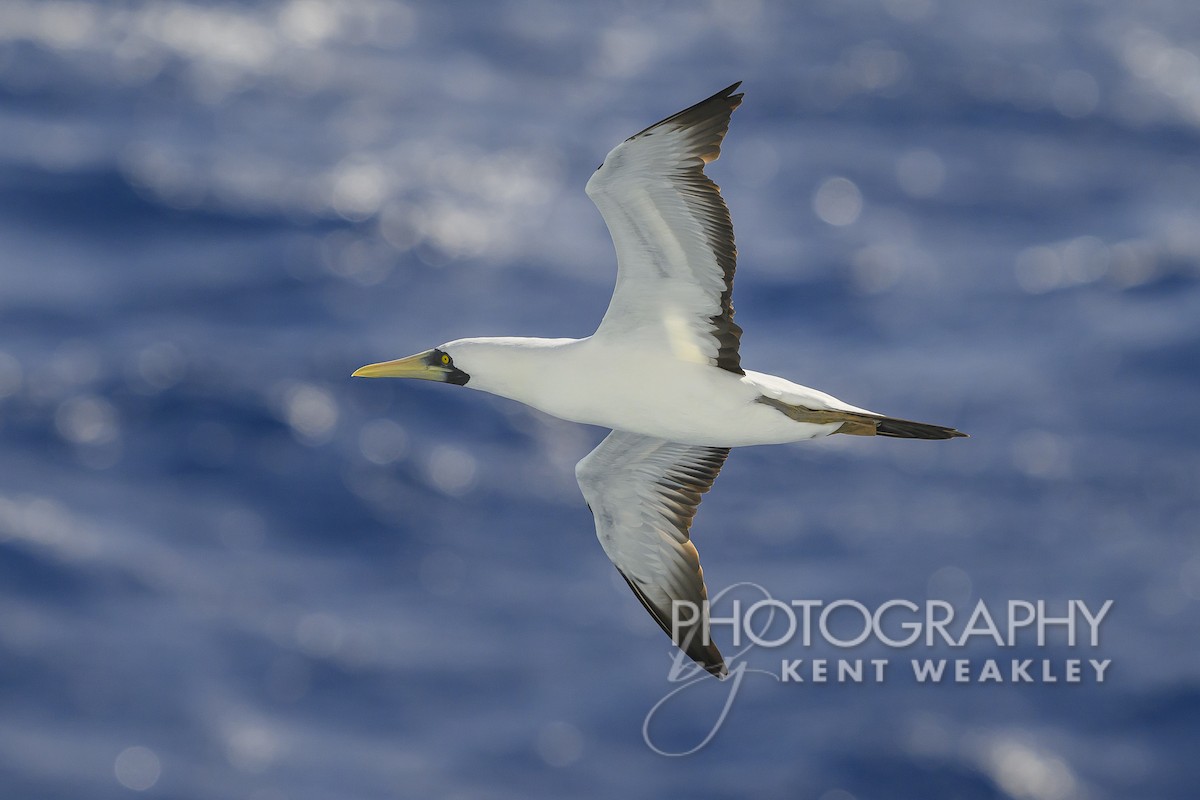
(906,429)
(857,423)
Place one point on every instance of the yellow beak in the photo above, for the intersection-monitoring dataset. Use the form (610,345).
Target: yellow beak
(417,366)
(432,365)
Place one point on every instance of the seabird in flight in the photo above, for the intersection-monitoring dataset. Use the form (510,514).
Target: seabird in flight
(662,370)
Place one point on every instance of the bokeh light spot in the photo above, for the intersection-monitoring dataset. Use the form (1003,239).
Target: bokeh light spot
(1041,454)
(1038,270)
(451,470)
(87,420)
(951,584)
(251,748)
(311,412)
(838,202)
(382,441)
(137,768)
(161,365)
(309,22)
(876,268)
(1023,772)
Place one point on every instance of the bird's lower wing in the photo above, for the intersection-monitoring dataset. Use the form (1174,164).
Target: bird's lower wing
(643,493)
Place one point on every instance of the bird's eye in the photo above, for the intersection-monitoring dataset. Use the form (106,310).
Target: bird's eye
(445,359)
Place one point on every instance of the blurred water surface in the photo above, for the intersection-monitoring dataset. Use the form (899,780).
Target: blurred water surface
(228,571)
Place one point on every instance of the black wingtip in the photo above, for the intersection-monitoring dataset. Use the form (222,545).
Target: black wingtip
(728,94)
(732,102)
(707,656)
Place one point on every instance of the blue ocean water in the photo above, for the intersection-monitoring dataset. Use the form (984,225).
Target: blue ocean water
(229,571)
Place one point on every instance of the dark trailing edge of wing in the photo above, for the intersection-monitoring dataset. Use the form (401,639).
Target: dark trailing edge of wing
(710,118)
(682,486)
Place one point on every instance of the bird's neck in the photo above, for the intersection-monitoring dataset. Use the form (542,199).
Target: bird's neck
(521,369)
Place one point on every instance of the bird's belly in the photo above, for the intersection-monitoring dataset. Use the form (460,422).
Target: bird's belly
(694,404)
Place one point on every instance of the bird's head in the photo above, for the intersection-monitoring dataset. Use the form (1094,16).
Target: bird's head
(515,367)
(437,364)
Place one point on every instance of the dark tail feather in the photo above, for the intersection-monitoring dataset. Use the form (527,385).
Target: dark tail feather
(904,429)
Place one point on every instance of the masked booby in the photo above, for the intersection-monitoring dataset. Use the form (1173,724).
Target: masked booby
(662,370)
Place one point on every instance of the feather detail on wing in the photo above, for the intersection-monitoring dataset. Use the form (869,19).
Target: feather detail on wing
(673,236)
(643,493)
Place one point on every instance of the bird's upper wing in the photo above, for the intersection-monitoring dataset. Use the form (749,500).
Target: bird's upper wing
(643,493)
(673,236)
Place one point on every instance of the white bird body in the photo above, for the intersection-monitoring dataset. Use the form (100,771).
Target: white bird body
(627,387)
(663,369)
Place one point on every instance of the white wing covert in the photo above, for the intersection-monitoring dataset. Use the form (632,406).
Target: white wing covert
(643,493)
(673,236)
